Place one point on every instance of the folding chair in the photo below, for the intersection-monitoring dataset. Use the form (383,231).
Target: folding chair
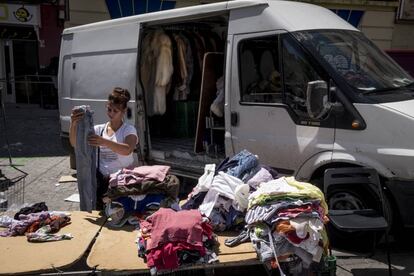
(358,220)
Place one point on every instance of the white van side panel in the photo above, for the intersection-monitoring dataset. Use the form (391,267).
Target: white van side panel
(118,37)
(383,145)
(94,62)
(64,81)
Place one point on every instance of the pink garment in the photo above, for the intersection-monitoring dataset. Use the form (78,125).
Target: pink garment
(138,174)
(166,256)
(168,225)
(262,175)
(294,212)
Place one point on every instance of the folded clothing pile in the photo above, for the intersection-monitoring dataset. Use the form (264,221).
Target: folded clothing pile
(285,220)
(169,239)
(136,193)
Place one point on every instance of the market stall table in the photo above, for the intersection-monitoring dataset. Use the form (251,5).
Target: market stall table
(17,255)
(121,242)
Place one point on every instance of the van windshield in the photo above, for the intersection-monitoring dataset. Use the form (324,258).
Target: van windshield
(366,68)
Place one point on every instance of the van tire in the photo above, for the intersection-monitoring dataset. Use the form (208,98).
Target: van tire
(72,160)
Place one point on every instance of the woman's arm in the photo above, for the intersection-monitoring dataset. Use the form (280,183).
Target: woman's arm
(125,148)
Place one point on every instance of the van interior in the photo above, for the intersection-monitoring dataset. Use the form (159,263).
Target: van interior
(183,89)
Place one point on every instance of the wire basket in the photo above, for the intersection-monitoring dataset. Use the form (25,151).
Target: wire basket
(11,191)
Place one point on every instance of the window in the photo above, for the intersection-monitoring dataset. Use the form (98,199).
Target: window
(297,72)
(259,70)
(362,65)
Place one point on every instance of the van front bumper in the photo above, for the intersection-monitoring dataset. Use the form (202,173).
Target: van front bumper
(403,193)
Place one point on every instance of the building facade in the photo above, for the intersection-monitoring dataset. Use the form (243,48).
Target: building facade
(29,47)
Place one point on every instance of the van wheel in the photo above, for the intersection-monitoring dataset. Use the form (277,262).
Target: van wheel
(72,160)
(355,199)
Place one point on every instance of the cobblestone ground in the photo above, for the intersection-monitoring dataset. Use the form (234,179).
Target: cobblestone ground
(36,149)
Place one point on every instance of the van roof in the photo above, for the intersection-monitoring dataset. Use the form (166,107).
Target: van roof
(296,15)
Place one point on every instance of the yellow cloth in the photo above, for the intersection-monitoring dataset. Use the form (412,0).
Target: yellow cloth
(304,190)
(308,189)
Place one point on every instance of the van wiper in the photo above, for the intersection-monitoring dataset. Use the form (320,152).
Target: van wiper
(374,91)
(410,85)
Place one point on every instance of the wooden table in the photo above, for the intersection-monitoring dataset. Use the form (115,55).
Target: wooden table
(115,250)
(17,255)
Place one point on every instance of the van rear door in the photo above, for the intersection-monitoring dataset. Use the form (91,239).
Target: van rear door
(268,101)
(100,59)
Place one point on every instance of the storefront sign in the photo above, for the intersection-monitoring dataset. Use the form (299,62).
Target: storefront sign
(406,10)
(19,14)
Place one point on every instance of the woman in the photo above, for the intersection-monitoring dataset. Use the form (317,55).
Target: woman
(116,140)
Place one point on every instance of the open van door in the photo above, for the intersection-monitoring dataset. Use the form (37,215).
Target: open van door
(271,75)
(92,63)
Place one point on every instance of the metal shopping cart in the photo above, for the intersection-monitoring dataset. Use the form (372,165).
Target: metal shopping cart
(11,189)
(12,179)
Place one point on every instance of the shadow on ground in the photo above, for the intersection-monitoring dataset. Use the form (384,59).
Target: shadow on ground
(31,132)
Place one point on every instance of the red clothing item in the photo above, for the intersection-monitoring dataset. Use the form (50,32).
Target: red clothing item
(166,257)
(294,212)
(167,225)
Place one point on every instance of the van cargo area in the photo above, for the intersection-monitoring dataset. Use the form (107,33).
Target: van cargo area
(181,69)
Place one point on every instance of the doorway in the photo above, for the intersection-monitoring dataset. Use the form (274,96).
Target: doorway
(8,90)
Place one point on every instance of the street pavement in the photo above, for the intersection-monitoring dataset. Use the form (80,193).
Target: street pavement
(36,149)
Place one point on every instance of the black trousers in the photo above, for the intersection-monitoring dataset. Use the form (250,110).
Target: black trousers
(102,183)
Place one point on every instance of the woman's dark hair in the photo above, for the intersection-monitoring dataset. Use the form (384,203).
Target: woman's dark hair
(120,97)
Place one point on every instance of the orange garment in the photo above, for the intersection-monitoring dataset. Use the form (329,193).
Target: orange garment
(284,227)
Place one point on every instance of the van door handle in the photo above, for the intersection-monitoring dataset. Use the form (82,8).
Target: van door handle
(234,118)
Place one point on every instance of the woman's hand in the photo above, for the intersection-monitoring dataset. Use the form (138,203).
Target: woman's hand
(76,116)
(96,140)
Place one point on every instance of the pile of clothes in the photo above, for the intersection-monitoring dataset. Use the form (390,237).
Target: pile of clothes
(222,193)
(285,220)
(169,239)
(282,217)
(136,193)
(37,223)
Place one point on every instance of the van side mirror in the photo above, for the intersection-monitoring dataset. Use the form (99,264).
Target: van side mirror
(317,102)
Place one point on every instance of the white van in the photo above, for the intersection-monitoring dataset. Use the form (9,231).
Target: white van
(303,89)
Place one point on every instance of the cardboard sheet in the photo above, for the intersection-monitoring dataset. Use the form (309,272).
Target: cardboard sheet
(17,255)
(122,241)
(67,178)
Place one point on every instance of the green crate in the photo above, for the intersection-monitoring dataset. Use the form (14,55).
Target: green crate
(184,119)
(327,266)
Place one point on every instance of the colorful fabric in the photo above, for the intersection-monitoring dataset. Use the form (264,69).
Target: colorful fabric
(167,225)
(170,186)
(44,234)
(138,174)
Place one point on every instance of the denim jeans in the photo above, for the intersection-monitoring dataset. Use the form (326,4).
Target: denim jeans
(85,161)
(245,162)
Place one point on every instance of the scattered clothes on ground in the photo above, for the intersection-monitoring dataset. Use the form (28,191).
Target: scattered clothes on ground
(38,227)
(35,208)
(45,234)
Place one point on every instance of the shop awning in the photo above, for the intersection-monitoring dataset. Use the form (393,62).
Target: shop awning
(353,17)
(121,8)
